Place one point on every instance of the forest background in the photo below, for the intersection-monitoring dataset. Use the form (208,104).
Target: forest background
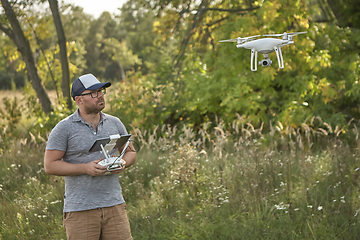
(225,152)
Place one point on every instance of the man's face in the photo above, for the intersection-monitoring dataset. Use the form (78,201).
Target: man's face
(92,101)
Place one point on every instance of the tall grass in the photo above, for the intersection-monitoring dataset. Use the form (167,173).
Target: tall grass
(30,201)
(217,183)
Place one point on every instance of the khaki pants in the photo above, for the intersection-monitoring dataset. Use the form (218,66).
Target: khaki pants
(101,223)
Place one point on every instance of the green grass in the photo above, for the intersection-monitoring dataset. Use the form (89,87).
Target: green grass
(223,185)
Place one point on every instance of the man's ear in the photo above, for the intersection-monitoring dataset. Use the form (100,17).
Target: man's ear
(78,100)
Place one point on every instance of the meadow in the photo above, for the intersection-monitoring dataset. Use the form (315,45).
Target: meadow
(216,183)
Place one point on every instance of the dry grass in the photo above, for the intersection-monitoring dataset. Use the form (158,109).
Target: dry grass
(11,95)
(20,97)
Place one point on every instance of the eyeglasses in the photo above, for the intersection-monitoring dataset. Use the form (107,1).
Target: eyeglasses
(95,94)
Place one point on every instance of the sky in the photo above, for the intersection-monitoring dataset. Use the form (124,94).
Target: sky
(96,7)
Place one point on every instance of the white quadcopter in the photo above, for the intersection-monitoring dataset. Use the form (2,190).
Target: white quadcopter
(265,46)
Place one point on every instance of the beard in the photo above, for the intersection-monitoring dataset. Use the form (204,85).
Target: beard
(96,108)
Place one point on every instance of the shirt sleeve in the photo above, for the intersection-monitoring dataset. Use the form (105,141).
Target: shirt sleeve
(122,128)
(58,138)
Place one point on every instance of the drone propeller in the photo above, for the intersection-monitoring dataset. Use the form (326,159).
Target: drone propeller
(239,38)
(285,35)
(229,40)
(296,33)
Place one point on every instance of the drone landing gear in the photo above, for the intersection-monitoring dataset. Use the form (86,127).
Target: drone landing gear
(267,61)
(279,57)
(253,52)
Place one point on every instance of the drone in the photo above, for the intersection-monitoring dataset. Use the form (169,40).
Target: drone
(265,46)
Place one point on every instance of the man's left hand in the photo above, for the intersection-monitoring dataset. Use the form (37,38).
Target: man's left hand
(123,164)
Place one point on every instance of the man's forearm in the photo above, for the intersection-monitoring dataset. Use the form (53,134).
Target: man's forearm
(61,168)
(130,158)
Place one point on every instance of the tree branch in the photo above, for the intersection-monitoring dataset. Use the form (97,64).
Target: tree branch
(7,31)
(197,18)
(200,12)
(217,21)
(230,10)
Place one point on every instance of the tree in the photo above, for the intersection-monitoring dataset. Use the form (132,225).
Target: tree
(346,12)
(16,34)
(210,80)
(98,61)
(137,29)
(121,54)
(192,22)
(10,78)
(65,84)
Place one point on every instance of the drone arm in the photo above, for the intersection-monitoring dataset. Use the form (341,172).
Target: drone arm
(253,52)
(279,56)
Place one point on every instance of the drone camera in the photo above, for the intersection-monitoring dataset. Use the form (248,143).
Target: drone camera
(265,62)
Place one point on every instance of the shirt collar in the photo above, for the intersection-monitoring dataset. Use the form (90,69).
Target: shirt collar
(77,118)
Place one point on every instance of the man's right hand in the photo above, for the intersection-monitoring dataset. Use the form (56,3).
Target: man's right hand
(94,169)
(54,165)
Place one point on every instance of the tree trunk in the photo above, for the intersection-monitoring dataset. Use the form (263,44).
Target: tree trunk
(23,46)
(65,84)
(122,72)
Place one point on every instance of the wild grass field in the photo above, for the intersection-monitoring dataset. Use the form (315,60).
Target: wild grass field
(9,94)
(211,184)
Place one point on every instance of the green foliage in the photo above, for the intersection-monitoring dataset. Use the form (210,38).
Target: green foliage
(10,77)
(45,123)
(39,123)
(175,46)
(107,53)
(10,119)
(214,79)
(137,102)
(120,53)
(30,201)
(137,28)
(12,112)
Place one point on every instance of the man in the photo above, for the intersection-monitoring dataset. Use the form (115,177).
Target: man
(94,207)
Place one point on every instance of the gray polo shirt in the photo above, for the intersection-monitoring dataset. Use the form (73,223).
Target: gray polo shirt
(74,136)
